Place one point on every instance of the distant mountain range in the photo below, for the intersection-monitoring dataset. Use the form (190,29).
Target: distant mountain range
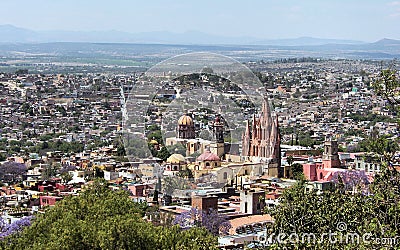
(20,41)
(12,34)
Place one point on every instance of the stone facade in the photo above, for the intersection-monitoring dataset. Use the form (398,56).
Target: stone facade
(261,138)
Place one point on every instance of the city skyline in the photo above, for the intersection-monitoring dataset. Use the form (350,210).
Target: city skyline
(366,21)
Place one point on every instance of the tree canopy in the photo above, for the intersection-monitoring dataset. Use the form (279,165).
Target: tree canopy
(214,222)
(100,218)
(337,213)
(12,171)
(388,85)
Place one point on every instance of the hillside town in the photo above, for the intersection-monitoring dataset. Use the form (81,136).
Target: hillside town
(59,132)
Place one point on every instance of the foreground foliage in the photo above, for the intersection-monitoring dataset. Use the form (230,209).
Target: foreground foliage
(103,219)
(338,219)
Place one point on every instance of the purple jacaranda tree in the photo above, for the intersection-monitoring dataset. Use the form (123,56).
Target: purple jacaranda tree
(12,171)
(7,229)
(352,180)
(189,219)
(214,222)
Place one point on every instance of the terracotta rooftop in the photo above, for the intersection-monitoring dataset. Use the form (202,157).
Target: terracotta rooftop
(251,219)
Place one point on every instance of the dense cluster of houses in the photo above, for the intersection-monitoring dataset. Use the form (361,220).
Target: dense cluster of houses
(66,131)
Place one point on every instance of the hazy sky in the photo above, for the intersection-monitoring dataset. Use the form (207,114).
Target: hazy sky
(366,20)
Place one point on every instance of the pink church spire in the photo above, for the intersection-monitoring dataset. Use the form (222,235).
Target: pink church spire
(264,139)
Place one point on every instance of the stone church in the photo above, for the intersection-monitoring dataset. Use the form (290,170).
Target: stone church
(261,139)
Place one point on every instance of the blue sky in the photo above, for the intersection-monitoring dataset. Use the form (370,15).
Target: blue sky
(366,20)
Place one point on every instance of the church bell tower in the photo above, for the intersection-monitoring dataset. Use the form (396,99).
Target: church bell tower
(218,146)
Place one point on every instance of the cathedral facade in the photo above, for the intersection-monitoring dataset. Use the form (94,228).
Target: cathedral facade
(261,138)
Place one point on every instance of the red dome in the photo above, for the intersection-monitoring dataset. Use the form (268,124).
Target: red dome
(208,156)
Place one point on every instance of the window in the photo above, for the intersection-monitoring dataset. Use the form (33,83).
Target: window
(321,176)
(225,175)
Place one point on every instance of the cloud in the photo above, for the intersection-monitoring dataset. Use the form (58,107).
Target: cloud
(395,3)
(395,9)
(395,15)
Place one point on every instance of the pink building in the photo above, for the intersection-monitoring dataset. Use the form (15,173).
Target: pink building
(49,200)
(139,190)
(330,164)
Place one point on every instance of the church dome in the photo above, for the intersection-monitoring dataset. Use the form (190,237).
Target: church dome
(176,158)
(185,120)
(153,142)
(208,156)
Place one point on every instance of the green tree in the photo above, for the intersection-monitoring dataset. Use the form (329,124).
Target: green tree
(172,183)
(177,149)
(66,177)
(297,171)
(50,171)
(120,147)
(383,147)
(153,127)
(387,86)
(100,218)
(155,135)
(373,211)
(186,173)
(163,153)
(302,212)
(289,160)
(2,157)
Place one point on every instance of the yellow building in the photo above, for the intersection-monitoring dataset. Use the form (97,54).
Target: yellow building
(174,164)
